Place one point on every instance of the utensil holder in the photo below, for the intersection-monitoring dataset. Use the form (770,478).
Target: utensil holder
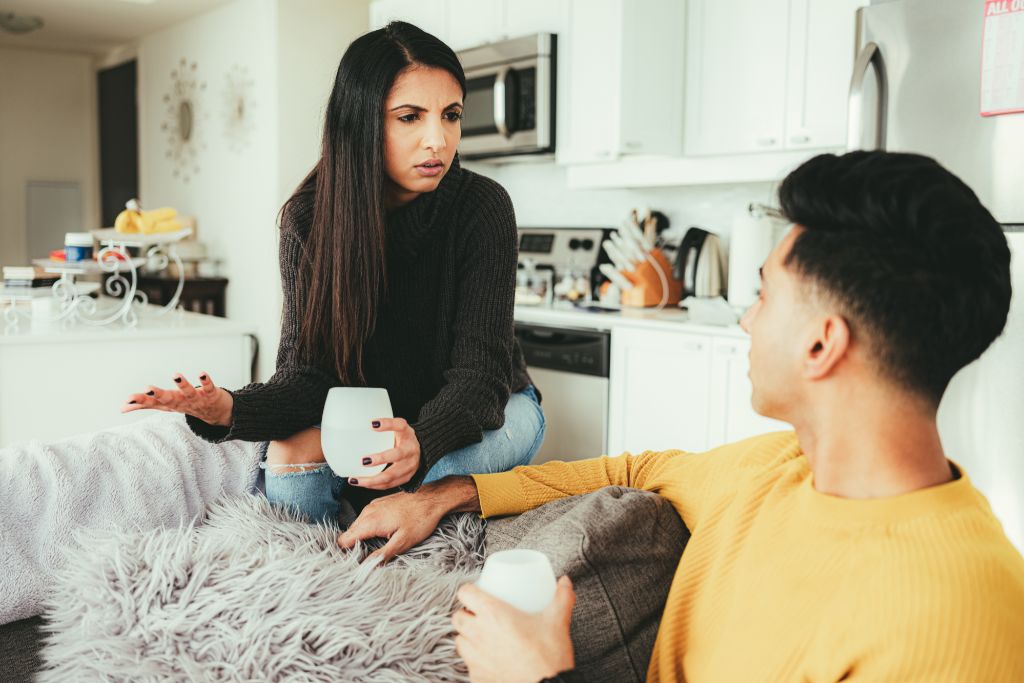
(647,285)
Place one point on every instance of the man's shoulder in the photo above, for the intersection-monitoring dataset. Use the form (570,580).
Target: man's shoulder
(763,452)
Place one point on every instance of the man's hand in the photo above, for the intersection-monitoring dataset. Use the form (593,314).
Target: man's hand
(405,519)
(502,644)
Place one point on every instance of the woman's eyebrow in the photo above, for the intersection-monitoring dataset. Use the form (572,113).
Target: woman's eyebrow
(416,107)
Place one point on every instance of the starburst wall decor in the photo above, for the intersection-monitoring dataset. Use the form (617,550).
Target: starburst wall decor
(238,108)
(182,114)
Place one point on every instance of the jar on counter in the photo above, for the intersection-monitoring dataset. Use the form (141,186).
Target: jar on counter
(77,246)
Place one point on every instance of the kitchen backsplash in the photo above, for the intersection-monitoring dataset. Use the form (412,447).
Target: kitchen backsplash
(542,199)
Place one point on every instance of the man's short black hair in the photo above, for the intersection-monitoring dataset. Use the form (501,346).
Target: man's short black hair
(918,267)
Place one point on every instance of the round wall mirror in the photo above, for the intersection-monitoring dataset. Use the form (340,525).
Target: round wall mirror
(185,120)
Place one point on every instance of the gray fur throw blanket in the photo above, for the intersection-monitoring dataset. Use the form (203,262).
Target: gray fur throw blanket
(254,593)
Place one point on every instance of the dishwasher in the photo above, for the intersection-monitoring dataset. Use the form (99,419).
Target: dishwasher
(570,368)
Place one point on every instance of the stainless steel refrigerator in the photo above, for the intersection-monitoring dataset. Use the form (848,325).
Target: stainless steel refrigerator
(917,87)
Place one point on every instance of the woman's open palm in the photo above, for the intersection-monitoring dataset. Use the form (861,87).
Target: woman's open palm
(206,400)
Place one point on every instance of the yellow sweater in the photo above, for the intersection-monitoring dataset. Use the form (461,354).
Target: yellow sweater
(782,583)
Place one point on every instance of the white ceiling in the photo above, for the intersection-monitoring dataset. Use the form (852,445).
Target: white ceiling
(97,26)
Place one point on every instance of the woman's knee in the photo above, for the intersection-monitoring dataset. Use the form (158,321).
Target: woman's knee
(299,449)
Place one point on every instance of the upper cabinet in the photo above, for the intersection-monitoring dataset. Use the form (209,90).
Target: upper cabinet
(621,92)
(468,23)
(429,15)
(767,75)
(674,92)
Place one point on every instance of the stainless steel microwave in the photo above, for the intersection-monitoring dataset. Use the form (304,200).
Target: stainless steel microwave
(510,98)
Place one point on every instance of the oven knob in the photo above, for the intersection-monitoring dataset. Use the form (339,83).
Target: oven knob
(574,244)
(588,244)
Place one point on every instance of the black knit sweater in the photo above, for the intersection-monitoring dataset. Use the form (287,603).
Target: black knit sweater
(443,346)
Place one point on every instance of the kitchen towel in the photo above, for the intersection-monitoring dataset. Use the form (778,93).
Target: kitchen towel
(750,241)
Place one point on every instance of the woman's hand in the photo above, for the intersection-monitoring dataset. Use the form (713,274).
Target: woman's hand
(501,644)
(207,401)
(404,458)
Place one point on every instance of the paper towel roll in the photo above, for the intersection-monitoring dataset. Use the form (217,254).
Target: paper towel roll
(750,242)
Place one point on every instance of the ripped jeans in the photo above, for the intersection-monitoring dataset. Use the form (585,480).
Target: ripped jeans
(316,492)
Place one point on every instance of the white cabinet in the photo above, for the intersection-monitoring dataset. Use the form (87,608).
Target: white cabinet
(59,382)
(767,75)
(732,416)
(622,90)
(429,15)
(735,75)
(658,390)
(467,23)
(680,390)
(821,56)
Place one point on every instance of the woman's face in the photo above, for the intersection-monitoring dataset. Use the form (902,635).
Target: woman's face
(422,130)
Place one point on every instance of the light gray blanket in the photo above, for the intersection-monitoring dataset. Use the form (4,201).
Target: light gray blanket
(150,474)
(255,594)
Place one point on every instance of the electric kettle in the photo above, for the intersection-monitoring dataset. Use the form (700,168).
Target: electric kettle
(699,264)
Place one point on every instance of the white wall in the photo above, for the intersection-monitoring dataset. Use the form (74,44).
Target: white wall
(290,51)
(48,131)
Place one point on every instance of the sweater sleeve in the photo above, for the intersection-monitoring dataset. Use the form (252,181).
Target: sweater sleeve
(293,398)
(526,488)
(478,381)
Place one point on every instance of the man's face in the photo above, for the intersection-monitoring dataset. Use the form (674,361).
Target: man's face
(777,324)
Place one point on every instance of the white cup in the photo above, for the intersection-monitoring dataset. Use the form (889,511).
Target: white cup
(523,578)
(345,431)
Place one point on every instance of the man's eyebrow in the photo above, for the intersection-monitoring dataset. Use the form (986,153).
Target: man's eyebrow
(760,272)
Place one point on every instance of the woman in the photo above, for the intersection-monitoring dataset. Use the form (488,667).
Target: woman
(398,271)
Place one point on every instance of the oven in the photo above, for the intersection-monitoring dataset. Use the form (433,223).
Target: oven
(570,368)
(510,98)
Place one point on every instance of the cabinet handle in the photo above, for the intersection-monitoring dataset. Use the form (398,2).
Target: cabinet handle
(800,139)
(766,142)
(693,346)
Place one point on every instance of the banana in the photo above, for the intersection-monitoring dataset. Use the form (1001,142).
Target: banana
(125,222)
(151,218)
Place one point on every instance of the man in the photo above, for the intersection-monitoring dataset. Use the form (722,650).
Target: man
(850,550)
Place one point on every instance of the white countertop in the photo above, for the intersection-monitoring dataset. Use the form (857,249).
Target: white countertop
(178,323)
(669,319)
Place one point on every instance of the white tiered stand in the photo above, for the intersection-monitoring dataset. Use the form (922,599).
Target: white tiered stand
(72,299)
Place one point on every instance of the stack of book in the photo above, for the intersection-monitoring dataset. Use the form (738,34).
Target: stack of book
(28,276)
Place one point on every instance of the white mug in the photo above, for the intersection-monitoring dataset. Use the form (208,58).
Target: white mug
(522,578)
(346,434)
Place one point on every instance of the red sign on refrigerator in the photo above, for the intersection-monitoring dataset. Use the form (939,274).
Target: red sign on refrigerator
(1002,58)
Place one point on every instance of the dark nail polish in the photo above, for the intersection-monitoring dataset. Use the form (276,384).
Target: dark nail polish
(366,461)
(150,393)
(353,481)
(177,380)
(131,403)
(376,424)
(202,377)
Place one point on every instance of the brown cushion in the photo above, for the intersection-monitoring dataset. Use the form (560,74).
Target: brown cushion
(621,548)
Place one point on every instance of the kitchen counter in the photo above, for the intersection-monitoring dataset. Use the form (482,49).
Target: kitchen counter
(669,319)
(63,381)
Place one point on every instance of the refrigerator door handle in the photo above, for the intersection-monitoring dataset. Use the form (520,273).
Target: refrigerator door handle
(870,55)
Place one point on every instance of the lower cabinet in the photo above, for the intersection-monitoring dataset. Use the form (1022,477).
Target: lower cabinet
(685,390)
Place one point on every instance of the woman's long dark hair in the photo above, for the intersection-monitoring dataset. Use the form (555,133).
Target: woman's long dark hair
(343,281)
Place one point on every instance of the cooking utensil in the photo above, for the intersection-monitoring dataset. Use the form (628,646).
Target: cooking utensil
(616,277)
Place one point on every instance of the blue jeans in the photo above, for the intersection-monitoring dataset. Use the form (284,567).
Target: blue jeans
(315,491)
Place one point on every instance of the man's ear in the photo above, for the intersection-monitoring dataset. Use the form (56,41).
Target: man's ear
(827,347)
